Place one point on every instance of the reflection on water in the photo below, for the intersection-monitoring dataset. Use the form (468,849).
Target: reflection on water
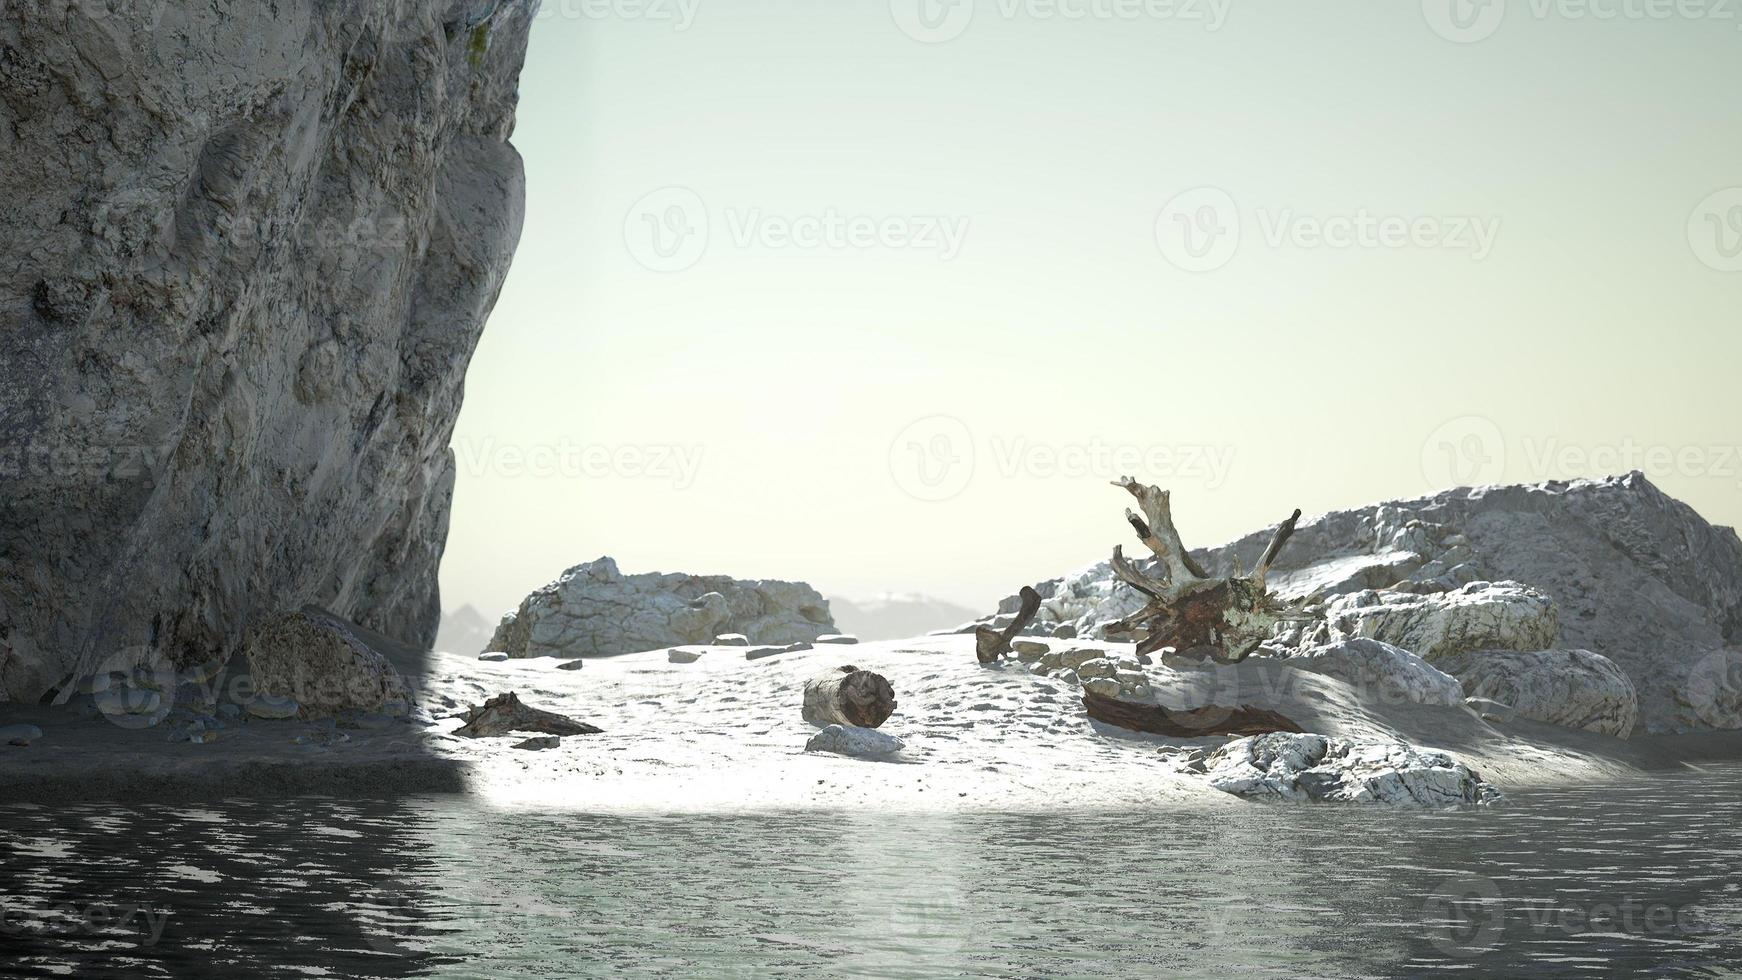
(1644,877)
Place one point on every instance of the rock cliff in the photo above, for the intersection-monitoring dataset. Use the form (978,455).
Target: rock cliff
(246,253)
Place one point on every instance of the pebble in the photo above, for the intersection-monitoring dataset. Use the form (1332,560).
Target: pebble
(679,655)
(571,665)
(19,734)
(494,657)
(539,743)
(842,638)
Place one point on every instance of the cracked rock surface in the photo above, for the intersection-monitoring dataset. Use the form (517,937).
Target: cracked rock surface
(246,253)
(1574,688)
(1313,768)
(595,609)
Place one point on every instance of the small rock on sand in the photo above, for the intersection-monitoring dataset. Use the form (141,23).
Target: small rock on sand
(272,707)
(494,657)
(731,640)
(864,743)
(1028,651)
(843,638)
(681,655)
(757,653)
(19,734)
(539,743)
(571,665)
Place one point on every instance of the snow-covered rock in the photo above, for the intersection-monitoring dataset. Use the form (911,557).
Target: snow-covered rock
(1635,575)
(1477,616)
(1382,673)
(1313,768)
(865,743)
(596,609)
(1574,688)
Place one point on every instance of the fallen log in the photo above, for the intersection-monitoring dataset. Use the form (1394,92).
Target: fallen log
(1155,719)
(505,713)
(990,644)
(847,695)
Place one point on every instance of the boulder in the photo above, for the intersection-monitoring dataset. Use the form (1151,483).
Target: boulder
(595,609)
(1477,616)
(679,656)
(323,663)
(1382,673)
(864,743)
(1312,768)
(1572,688)
(247,252)
(1636,576)
(273,708)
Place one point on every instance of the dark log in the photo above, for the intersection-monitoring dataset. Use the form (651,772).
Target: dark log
(505,713)
(848,696)
(1155,719)
(990,644)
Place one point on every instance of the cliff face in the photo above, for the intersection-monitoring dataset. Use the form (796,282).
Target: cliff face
(246,253)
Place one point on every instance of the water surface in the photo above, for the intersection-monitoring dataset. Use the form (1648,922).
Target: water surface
(1643,878)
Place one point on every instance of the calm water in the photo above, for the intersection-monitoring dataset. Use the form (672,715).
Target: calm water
(1639,879)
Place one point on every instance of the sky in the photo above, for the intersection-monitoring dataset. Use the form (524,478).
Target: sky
(879,294)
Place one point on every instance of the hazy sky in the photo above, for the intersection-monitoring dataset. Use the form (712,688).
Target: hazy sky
(879,294)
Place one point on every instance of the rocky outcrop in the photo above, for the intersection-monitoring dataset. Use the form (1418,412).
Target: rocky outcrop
(1384,674)
(1574,688)
(896,617)
(324,665)
(1315,769)
(1636,576)
(246,254)
(595,609)
(465,630)
(1477,616)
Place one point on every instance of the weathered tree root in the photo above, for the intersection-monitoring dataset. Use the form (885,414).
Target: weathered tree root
(990,644)
(1224,619)
(504,713)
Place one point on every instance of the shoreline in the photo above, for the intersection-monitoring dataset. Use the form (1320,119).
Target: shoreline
(725,734)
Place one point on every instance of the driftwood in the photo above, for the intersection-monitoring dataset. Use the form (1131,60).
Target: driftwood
(1190,723)
(505,713)
(848,696)
(1190,611)
(990,644)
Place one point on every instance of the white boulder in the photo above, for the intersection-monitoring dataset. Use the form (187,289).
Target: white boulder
(1572,688)
(596,609)
(865,743)
(1383,673)
(1477,616)
(1313,768)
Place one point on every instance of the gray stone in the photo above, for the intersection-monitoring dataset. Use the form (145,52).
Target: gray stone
(845,639)
(248,250)
(539,743)
(758,653)
(1477,616)
(273,708)
(865,743)
(1572,688)
(1104,686)
(1313,768)
(1382,673)
(680,655)
(325,663)
(1029,651)
(571,665)
(596,609)
(493,658)
(19,735)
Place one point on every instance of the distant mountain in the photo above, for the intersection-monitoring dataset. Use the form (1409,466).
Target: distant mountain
(896,617)
(465,630)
